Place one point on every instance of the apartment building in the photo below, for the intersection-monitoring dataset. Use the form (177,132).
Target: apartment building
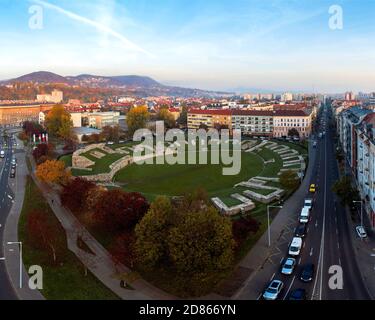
(347,121)
(253,122)
(366,163)
(272,123)
(284,120)
(210,118)
(99,120)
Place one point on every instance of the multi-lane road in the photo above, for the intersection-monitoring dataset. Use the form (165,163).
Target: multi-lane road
(6,197)
(327,243)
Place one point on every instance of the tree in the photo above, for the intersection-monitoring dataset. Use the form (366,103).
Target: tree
(43,236)
(344,189)
(31,128)
(201,242)
(242,228)
(58,122)
(182,120)
(93,197)
(111,133)
(196,241)
(53,171)
(73,195)
(122,249)
(151,232)
(289,180)
(293,133)
(137,118)
(43,150)
(117,210)
(167,117)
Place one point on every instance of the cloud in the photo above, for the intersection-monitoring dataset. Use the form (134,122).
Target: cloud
(98,26)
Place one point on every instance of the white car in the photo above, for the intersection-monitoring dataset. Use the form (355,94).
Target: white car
(110,143)
(361,232)
(295,247)
(308,203)
(305,215)
(288,266)
(273,290)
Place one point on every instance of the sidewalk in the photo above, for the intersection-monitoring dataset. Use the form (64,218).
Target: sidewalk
(100,263)
(12,258)
(260,254)
(365,253)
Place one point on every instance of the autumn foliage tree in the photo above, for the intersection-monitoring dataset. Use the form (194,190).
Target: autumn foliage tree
(42,152)
(167,117)
(289,180)
(137,118)
(44,236)
(74,194)
(195,243)
(118,211)
(58,122)
(242,228)
(53,171)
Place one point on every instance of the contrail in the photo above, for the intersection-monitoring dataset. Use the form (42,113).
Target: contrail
(94,24)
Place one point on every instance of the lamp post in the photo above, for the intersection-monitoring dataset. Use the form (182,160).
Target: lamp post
(361,202)
(268,220)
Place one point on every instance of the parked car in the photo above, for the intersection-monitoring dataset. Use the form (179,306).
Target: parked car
(312,188)
(273,290)
(307,273)
(288,266)
(295,247)
(300,230)
(298,294)
(2,154)
(361,232)
(13,173)
(110,143)
(315,144)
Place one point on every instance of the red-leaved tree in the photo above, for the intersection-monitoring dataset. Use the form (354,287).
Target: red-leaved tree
(44,236)
(117,210)
(242,228)
(73,195)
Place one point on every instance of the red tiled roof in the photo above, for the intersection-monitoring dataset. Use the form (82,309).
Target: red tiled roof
(218,112)
(290,113)
(259,113)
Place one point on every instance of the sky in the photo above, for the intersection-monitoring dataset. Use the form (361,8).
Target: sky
(276,45)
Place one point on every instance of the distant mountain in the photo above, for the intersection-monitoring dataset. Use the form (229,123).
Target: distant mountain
(139,85)
(41,77)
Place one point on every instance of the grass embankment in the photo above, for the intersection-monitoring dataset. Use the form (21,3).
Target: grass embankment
(66,281)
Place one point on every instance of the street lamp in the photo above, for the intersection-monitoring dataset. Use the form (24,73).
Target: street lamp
(268,220)
(361,202)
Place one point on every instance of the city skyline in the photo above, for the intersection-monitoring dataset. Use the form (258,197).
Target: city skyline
(270,45)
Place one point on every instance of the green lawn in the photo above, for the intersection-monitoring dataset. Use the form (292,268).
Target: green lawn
(101,165)
(173,180)
(66,281)
(67,160)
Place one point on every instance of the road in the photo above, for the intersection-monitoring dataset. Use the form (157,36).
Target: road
(328,239)
(6,196)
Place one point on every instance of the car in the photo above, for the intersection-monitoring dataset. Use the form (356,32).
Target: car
(361,232)
(13,173)
(110,143)
(307,273)
(2,154)
(273,290)
(295,247)
(315,144)
(300,230)
(308,203)
(298,294)
(312,188)
(288,266)
(305,215)
(13,165)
